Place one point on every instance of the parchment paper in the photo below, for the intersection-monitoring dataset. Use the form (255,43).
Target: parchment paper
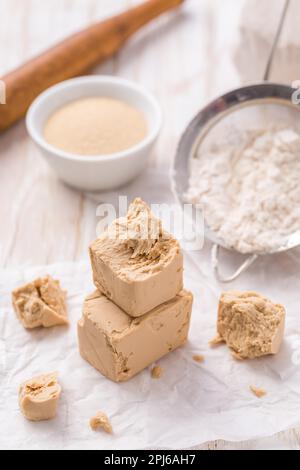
(190,404)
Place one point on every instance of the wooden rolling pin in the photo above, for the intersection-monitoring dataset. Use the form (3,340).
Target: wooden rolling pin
(74,56)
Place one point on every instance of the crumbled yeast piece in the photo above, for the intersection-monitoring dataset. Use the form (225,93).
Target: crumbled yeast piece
(250,324)
(41,302)
(198,358)
(101,421)
(38,397)
(216,341)
(258,392)
(156,372)
(143,231)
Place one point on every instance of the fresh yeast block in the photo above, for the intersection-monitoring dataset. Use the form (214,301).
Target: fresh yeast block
(136,263)
(120,346)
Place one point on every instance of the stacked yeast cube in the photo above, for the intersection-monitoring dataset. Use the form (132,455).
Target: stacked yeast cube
(140,311)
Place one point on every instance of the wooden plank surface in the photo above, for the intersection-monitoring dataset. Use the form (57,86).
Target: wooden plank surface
(43,221)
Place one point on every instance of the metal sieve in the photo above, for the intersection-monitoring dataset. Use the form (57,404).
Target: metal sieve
(245,108)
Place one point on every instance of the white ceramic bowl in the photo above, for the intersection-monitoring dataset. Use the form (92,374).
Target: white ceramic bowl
(103,172)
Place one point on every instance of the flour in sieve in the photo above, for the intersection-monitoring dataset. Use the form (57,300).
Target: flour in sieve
(250,193)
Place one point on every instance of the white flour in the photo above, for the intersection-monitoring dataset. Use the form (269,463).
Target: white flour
(250,194)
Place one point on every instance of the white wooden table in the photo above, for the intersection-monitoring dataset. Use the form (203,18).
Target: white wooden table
(43,221)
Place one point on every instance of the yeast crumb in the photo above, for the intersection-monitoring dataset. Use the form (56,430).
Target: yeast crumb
(198,358)
(216,341)
(156,372)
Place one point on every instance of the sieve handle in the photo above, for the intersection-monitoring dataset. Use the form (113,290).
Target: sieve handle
(215,264)
(276,41)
